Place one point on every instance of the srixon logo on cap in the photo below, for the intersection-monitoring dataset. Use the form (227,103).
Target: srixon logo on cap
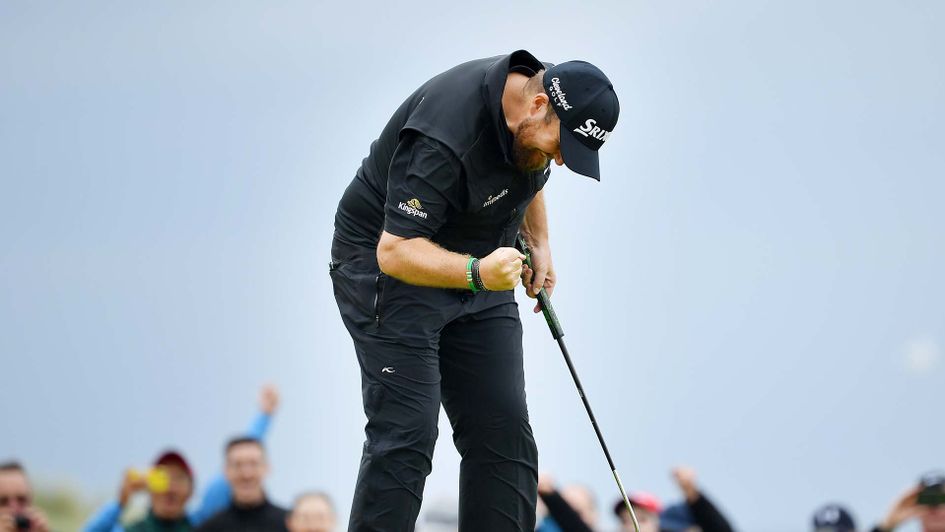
(591,129)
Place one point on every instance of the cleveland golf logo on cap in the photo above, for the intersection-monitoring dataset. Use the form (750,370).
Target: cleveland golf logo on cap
(559,95)
(590,129)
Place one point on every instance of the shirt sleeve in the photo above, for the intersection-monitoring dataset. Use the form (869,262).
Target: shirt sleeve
(564,515)
(423,183)
(106,519)
(707,516)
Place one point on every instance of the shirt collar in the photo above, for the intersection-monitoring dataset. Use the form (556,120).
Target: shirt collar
(493,86)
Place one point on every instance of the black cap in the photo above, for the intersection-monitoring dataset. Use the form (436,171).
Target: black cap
(932,489)
(932,479)
(833,518)
(585,101)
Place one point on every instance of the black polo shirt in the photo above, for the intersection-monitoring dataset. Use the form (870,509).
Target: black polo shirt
(442,168)
(264,517)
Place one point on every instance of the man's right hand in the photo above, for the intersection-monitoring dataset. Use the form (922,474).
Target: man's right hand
(904,509)
(133,482)
(502,269)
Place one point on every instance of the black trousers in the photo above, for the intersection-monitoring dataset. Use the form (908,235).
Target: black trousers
(419,347)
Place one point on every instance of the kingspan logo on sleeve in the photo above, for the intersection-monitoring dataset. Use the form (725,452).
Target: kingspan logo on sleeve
(413,208)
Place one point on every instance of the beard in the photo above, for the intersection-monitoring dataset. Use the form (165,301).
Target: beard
(527,159)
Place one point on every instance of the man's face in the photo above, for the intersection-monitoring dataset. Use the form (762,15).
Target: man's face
(171,503)
(246,468)
(537,142)
(649,521)
(15,493)
(311,514)
(934,520)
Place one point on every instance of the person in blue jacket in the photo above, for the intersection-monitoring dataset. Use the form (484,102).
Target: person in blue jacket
(216,496)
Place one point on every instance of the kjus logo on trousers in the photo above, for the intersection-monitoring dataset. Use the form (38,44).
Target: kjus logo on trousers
(559,95)
(591,129)
(413,208)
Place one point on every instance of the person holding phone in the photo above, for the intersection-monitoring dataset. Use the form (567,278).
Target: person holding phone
(168,502)
(17,511)
(924,502)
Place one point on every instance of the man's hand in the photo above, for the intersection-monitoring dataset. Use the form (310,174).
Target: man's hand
(38,521)
(269,399)
(546,484)
(904,509)
(502,269)
(685,478)
(133,482)
(542,275)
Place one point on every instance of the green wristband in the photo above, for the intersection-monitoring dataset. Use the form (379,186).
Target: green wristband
(469,275)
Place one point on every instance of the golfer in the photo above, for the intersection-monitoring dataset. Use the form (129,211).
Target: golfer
(423,268)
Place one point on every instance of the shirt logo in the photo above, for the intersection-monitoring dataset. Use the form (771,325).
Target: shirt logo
(413,208)
(559,95)
(497,197)
(591,129)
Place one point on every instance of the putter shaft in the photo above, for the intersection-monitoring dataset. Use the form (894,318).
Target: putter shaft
(557,332)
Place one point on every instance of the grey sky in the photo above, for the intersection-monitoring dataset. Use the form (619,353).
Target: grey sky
(755,287)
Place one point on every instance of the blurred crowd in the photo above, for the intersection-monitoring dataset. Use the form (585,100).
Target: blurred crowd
(574,508)
(235,500)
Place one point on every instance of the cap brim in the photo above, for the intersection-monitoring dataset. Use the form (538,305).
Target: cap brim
(579,158)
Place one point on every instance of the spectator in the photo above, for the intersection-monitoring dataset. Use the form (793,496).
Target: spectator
(169,501)
(312,512)
(701,511)
(833,518)
(647,509)
(216,496)
(16,501)
(925,502)
(573,509)
(677,518)
(250,510)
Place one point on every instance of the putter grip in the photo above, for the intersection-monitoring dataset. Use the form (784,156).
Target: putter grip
(543,300)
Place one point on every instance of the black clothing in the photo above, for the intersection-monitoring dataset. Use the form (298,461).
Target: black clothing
(417,347)
(265,517)
(567,519)
(442,168)
(707,516)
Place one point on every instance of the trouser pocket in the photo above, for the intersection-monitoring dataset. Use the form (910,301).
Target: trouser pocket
(358,293)
(380,282)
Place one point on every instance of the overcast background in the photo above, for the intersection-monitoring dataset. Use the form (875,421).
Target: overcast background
(755,287)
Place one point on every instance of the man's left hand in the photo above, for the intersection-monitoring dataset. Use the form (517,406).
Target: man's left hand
(269,399)
(685,478)
(542,275)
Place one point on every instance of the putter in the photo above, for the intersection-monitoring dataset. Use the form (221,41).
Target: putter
(557,333)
